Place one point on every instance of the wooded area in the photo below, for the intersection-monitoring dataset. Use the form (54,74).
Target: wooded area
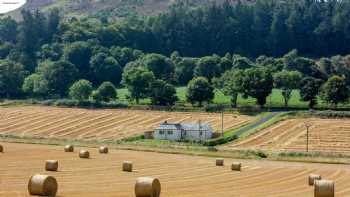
(239,48)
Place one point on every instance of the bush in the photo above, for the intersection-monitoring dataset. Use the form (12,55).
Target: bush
(331,114)
(66,103)
(261,154)
(257,153)
(134,138)
(76,103)
(219,141)
(214,108)
(299,154)
(80,90)
(114,105)
(249,109)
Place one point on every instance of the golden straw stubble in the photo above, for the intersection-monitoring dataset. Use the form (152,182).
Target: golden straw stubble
(42,185)
(147,187)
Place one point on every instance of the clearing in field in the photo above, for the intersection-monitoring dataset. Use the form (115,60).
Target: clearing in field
(99,124)
(325,135)
(180,176)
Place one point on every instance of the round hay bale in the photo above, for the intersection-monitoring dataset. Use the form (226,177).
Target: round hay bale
(69,148)
(324,188)
(127,166)
(103,150)
(313,177)
(42,185)
(147,187)
(84,154)
(219,162)
(1,149)
(51,165)
(236,166)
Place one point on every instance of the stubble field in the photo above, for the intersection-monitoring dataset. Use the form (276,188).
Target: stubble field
(325,135)
(180,176)
(84,124)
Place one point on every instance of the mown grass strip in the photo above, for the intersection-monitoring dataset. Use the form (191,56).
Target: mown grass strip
(276,119)
(235,133)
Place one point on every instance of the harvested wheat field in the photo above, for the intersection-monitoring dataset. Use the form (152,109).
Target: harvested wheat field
(99,124)
(325,135)
(180,176)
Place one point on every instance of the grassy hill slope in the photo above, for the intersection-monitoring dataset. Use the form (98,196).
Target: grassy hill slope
(110,8)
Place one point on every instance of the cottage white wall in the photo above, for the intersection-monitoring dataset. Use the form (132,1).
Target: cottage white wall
(176,136)
(195,135)
(190,135)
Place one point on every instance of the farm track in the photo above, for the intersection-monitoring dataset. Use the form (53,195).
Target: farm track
(180,175)
(325,135)
(83,124)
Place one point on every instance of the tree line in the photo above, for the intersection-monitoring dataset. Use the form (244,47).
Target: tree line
(46,56)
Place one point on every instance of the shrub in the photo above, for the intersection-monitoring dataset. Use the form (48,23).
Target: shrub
(214,108)
(249,109)
(220,140)
(257,153)
(134,138)
(261,154)
(80,90)
(331,114)
(66,103)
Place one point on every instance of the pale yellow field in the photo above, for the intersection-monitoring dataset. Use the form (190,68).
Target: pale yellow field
(326,135)
(99,124)
(180,176)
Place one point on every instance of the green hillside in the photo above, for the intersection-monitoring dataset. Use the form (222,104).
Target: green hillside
(107,8)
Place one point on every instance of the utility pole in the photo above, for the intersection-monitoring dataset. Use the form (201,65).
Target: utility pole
(200,129)
(222,123)
(307,126)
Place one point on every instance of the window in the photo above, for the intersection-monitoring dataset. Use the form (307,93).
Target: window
(201,133)
(170,132)
(161,132)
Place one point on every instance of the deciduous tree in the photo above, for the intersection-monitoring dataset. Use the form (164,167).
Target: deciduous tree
(309,90)
(257,83)
(199,90)
(287,81)
(138,81)
(81,90)
(162,93)
(335,91)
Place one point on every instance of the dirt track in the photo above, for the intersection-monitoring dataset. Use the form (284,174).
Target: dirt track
(180,176)
(98,124)
(325,135)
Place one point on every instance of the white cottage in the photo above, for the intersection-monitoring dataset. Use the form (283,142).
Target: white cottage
(183,131)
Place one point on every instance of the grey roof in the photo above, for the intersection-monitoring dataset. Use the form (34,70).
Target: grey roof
(184,126)
(166,126)
(195,127)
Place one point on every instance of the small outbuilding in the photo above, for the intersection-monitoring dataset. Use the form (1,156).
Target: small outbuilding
(183,131)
